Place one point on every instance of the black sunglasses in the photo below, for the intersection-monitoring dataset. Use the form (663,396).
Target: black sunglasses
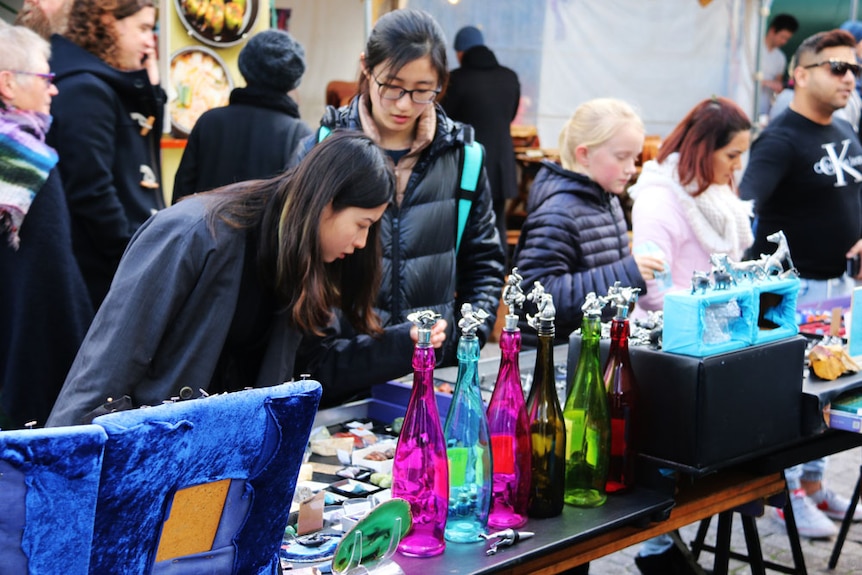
(839,68)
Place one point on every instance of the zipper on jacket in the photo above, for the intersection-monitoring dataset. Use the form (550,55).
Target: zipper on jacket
(395,284)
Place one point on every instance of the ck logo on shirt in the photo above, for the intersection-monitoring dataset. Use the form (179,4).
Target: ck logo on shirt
(834,164)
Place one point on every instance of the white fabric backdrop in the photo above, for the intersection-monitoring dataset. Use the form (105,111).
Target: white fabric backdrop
(663,56)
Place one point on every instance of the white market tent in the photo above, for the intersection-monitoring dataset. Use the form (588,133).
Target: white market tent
(663,56)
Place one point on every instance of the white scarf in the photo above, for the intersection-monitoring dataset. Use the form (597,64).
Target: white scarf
(720,220)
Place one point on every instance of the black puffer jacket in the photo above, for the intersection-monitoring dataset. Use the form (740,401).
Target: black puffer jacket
(420,267)
(574,241)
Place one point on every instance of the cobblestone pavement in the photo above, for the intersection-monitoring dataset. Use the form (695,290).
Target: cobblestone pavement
(842,471)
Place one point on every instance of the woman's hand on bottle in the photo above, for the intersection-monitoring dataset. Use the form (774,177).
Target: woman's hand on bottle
(438,333)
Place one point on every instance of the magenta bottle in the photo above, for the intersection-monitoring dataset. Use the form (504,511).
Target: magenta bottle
(509,425)
(420,471)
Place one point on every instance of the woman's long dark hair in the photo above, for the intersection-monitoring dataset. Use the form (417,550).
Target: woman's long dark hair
(345,170)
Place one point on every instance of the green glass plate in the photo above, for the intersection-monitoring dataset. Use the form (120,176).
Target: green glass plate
(374,533)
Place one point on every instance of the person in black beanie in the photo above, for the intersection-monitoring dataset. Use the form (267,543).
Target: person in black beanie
(486,95)
(254,136)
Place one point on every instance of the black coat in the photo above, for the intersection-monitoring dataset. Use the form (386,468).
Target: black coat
(46,310)
(254,137)
(574,241)
(110,165)
(485,95)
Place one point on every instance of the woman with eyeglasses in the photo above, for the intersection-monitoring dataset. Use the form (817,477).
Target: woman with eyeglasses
(107,129)
(403,71)
(46,308)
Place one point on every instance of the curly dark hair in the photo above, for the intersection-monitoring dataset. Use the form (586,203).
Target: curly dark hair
(89,24)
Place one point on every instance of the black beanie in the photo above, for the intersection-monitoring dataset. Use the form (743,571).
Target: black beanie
(272,59)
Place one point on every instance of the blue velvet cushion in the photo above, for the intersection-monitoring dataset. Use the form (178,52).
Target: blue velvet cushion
(49,480)
(255,437)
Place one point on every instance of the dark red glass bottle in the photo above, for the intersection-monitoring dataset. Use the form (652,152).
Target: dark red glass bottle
(621,388)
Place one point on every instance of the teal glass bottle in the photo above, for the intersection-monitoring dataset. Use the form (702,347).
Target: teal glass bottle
(547,428)
(468,441)
(420,471)
(588,426)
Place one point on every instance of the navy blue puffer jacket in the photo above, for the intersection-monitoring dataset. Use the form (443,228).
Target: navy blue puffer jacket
(574,241)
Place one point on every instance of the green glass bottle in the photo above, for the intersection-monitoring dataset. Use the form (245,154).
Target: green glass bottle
(588,424)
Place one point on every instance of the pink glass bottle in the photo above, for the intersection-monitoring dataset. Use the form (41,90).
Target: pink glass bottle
(509,425)
(420,470)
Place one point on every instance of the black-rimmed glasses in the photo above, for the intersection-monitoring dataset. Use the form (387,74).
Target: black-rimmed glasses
(395,93)
(839,67)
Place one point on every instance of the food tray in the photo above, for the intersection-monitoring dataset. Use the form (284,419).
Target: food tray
(199,81)
(218,23)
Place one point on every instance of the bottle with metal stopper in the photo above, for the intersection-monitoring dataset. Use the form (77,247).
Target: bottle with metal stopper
(547,429)
(468,443)
(621,389)
(508,423)
(588,425)
(420,471)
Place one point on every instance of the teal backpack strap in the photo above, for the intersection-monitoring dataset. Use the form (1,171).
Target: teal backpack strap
(323,133)
(471,169)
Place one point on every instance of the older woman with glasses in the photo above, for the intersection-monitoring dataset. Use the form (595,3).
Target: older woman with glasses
(403,70)
(47,310)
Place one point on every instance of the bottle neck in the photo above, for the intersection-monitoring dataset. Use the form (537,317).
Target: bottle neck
(545,349)
(468,348)
(424,359)
(591,329)
(510,342)
(620,334)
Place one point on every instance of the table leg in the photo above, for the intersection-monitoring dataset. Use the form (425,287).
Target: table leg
(845,523)
(752,542)
(722,543)
(697,544)
(793,534)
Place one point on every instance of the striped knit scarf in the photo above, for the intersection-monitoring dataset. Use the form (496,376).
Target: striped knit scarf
(25,161)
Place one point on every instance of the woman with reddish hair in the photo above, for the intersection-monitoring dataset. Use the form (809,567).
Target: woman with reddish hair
(686,203)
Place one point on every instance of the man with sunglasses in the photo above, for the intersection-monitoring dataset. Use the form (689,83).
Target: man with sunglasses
(805,177)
